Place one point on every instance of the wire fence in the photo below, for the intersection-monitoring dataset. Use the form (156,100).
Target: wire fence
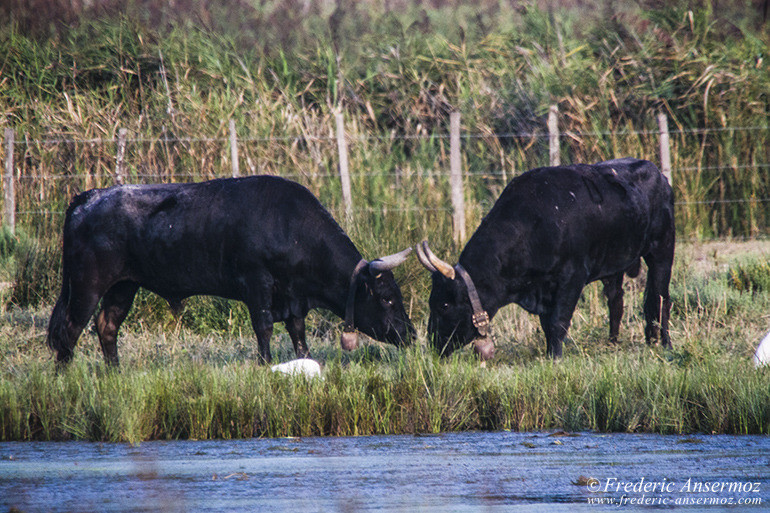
(369,137)
(43,173)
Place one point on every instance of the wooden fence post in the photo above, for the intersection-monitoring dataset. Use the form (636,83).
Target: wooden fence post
(665,147)
(553,135)
(119,168)
(234,150)
(456,178)
(9,185)
(502,167)
(342,147)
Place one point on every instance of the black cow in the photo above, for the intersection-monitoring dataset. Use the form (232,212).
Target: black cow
(262,240)
(552,231)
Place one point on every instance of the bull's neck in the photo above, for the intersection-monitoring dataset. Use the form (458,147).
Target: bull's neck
(336,284)
(485,287)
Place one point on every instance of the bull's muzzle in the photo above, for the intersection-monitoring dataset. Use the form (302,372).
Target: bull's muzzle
(485,348)
(349,340)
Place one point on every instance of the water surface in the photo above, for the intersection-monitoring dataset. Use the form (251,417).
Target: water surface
(462,472)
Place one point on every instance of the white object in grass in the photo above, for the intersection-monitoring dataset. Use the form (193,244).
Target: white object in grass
(305,366)
(762,356)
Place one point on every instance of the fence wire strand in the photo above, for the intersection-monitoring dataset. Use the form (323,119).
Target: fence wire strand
(373,137)
(439,172)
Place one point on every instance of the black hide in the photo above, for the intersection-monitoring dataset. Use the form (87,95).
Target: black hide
(262,240)
(552,231)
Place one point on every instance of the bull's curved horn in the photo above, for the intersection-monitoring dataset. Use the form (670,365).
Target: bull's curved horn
(441,266)
(389,262)
(422,257)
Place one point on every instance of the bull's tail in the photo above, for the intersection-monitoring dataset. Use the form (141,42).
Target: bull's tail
(57,325)
(58,338)
(633,270)
(58,330)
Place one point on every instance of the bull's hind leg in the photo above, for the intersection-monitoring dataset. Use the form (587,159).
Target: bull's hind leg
(70,316)
(613,290)
(296,328)
(115,306)
(657,301)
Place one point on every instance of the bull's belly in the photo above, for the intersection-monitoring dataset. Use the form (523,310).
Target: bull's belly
(176,287)
(281,304)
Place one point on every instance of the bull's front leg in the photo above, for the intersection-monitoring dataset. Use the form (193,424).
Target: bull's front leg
(262,322)
(554,334)
(556,319)
(296,328)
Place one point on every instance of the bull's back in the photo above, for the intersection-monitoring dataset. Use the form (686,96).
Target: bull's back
(602,216)
(203,238)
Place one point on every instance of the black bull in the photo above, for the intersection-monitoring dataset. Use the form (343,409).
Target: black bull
(262,240)
(551,232)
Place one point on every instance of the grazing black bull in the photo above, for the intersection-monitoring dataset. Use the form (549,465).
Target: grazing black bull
(552,231)
(262,240)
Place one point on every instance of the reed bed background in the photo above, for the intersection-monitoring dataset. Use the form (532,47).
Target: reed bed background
(174,78)
(71,78)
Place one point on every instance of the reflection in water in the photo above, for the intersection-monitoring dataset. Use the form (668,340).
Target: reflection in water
(464,472)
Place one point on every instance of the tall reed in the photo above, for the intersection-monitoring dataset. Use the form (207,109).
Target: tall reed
(397,76)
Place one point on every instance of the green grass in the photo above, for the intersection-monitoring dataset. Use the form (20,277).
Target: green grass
(413,392)
(751,275)
(178,382)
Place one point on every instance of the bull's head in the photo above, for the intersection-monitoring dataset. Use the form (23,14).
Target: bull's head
(456,315)
(375,306)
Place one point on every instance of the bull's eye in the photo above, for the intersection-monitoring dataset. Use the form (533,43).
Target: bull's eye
(387,302)
(445,306)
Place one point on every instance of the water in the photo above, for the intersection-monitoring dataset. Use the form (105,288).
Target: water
(463,472)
